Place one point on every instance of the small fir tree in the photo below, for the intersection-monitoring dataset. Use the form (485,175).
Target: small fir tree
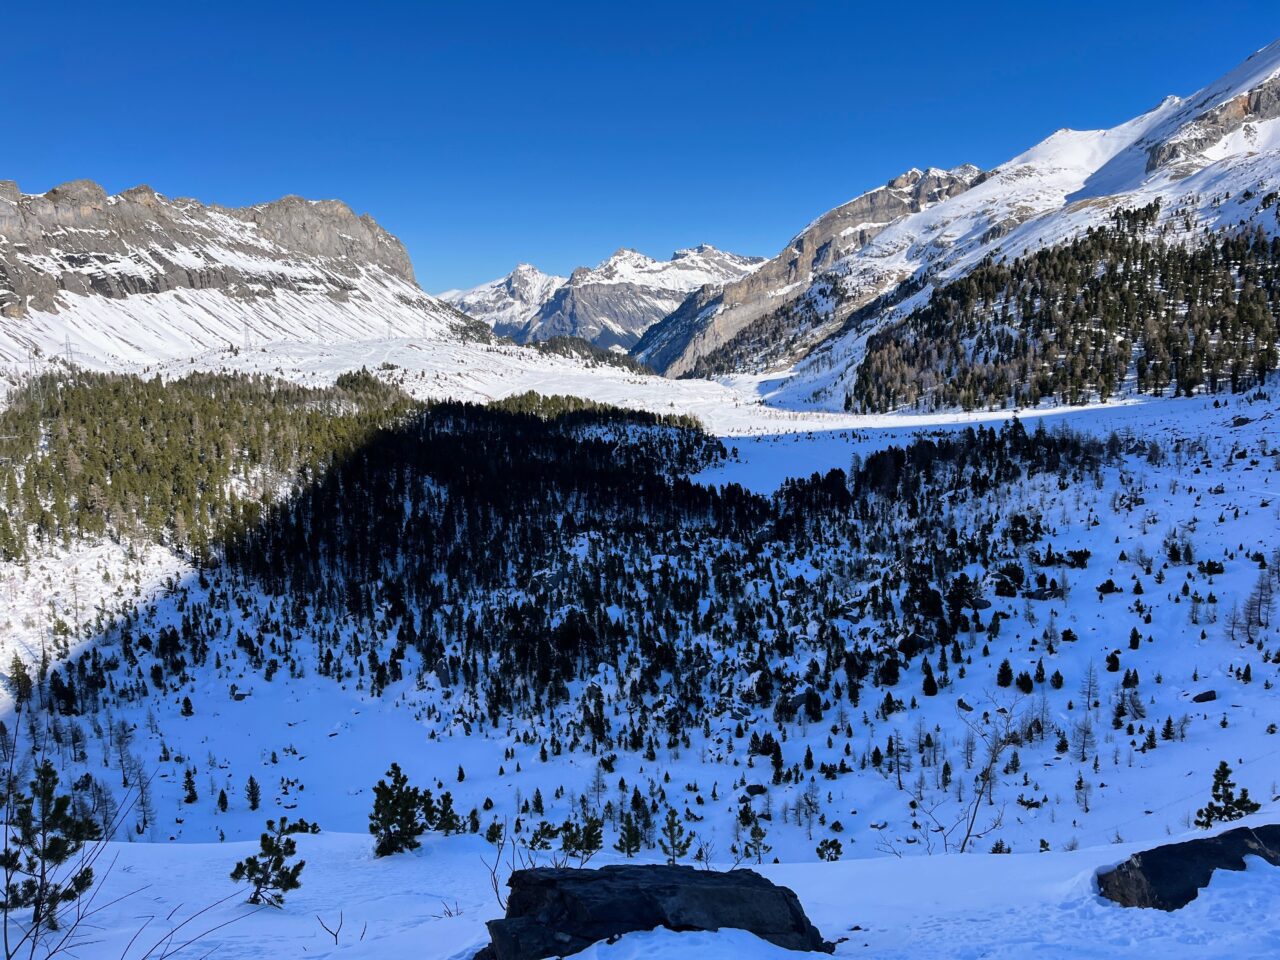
(675,840)
(629,836)
(1225,805)
(269,874)
(396,821)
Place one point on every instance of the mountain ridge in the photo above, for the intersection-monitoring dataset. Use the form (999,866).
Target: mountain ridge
(140,277)
(1189,151)
(610,304)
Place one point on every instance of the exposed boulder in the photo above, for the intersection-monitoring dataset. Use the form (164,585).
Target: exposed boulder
(1205,696)
(555,913)
(1170,877)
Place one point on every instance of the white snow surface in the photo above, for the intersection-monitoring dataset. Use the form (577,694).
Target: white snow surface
(948,908)
(318,745)
(145,329)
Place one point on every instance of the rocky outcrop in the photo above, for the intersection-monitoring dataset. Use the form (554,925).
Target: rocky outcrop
(1171,876)
(696,328)
(1254,106)
(77,239)
(554,913)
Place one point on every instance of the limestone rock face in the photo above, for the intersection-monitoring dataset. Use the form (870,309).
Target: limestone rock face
(139,278)
(77,239)
(554,913)
(1171,876)
(1254,106)
(711,317)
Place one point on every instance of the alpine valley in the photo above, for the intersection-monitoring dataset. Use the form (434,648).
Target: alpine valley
(951,532)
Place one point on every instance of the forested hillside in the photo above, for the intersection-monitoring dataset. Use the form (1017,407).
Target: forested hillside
(186,462)
(1127,302)
(976,636)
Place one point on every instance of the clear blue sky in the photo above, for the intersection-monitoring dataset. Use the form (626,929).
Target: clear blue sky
(484,134)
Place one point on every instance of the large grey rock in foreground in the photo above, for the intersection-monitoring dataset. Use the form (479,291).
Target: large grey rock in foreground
(555,913)
(1171,876)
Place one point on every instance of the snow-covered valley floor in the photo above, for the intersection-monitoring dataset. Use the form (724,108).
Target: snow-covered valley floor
(432,904)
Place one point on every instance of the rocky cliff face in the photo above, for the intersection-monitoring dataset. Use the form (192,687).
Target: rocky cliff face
(610,305)
(78,264)
(710,318)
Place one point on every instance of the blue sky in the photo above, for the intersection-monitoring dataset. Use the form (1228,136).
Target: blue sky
(483,134)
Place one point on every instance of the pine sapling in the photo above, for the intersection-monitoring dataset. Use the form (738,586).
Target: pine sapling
(269,874)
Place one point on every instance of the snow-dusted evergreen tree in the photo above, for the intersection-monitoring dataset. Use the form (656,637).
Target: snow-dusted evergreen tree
(396,820)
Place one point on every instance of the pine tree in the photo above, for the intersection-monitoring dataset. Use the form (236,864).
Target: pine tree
(582,841)
(447,820)
(269,874)
(629,836)
(189,794)
(675,841)
(930,685)
(830,849)
(45,831)
(1225,805)
(755,847)
(1004,675)
(396,821)
(253,793)
(20,683)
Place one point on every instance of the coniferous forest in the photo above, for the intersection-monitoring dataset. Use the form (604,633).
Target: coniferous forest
(550,569)
(1072,323)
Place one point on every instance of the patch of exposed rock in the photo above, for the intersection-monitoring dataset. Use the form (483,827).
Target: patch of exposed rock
(710,318)
(554,913)
(1171,876)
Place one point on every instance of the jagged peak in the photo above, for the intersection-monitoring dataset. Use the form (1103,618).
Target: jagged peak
(626,254)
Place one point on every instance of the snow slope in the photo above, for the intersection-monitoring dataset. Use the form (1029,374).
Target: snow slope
(432,904)
(139,278)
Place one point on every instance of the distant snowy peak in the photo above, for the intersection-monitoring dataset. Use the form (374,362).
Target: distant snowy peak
(684,272)
(610,304)
(138,278)
(508,303)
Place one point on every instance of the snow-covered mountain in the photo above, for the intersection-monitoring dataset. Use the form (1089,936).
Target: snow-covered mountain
(1211,159)
(510,302)
(138,278)
(611,304)
(713,315)
(903,640)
